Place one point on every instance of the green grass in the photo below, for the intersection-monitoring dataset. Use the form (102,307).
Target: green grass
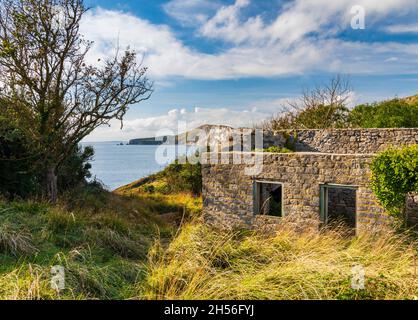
(202,263)
(101,239)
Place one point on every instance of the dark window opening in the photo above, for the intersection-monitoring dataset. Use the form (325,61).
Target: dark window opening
(338,205)
(269,199)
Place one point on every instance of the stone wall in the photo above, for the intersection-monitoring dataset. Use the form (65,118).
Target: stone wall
(351,141)
(343,141)
(228,192)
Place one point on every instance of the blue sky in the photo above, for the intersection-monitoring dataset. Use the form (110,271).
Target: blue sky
(237,61)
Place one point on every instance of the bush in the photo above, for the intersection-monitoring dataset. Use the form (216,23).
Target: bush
(76,169)
(313,117)
(394,113)
(182,178)
(394,174)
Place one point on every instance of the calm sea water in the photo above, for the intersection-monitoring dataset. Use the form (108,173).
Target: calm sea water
(117,165)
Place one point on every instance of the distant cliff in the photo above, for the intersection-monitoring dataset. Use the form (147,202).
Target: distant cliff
(147,141)
(177,139)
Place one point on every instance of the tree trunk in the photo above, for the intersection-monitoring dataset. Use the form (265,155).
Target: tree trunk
(51,185)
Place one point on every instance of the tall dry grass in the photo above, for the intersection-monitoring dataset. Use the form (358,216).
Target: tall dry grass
(202,263)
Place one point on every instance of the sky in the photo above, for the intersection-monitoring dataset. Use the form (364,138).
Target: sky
(237,62)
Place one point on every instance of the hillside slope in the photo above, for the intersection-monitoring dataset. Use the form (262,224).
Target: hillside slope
(180,184)
(100,239)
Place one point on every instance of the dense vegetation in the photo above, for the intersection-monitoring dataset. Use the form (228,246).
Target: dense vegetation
(394,113)
(395,174)
(320,108)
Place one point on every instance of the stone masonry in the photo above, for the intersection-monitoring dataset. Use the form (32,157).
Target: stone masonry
(335,157)
(344,141)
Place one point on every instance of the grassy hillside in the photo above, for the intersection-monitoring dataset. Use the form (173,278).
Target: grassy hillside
(178,184)
(100,238)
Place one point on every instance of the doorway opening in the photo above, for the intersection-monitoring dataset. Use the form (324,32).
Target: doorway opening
(268,198)
(338,205)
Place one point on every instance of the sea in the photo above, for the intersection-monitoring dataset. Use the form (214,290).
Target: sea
(116,163)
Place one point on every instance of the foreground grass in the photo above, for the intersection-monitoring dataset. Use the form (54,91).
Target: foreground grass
(101,239)
(202,263)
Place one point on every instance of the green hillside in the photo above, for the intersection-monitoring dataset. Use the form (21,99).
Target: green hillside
(101,240)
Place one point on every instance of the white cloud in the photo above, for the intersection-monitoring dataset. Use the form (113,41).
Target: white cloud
(296,20)
(191,12)
(164,54)
(402,28)
(167,57)
(226,24)
(284,47)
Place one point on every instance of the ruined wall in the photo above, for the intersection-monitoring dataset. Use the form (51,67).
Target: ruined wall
(342,141)
(228,192)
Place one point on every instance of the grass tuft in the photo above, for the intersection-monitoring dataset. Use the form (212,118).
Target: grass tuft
(15,242)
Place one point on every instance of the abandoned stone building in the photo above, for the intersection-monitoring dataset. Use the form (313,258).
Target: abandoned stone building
(326,178)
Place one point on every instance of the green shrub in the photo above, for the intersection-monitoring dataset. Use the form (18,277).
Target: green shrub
(183,177)
(149,188)
(394,174)
(394,113)
(76,168)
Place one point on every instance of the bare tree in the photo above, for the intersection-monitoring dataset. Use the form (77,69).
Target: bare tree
(320,108)
(48,86)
